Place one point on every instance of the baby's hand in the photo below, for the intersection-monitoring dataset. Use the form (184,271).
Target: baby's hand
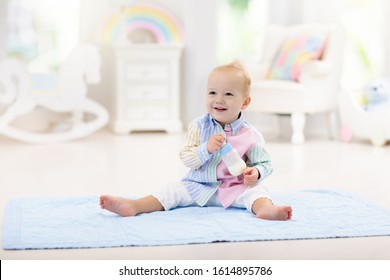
(251,174)
(215,143)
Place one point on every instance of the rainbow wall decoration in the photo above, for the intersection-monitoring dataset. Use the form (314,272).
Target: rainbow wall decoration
(154,20)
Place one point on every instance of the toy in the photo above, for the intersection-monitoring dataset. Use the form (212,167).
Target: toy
(376,95)
(369,117)
(65,93)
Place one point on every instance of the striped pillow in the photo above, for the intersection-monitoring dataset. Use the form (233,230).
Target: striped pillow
(295,52)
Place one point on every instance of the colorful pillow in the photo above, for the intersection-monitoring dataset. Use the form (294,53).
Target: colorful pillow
(296,51)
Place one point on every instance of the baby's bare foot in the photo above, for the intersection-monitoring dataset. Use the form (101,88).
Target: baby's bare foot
(273,212)
(121,206)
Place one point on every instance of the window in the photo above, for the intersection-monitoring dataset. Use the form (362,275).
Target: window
(42,32)
(365,52)
(241,26)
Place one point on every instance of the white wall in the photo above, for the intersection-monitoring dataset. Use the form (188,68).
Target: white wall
(321,11)
(199,56)
(285,12)
(2,27)
(387,23)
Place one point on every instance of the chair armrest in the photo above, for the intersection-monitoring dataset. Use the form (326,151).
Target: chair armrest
(315,69)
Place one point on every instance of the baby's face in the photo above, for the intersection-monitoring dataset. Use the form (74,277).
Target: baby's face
(225,96)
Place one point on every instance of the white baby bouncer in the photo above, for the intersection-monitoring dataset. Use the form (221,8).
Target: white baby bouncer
(68,94)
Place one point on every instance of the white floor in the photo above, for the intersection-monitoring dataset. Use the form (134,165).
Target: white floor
(140,163)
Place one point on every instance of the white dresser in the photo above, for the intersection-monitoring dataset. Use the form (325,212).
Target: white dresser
(147,95)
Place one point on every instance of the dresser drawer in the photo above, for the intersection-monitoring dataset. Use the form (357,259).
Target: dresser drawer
(147,71)
(147,113)
(147,92)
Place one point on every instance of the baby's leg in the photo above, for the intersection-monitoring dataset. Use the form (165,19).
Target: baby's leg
(129,207)
(264,209)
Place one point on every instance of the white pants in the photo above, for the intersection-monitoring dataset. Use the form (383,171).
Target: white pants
(175,194)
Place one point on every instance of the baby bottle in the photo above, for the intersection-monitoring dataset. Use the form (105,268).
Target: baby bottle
(232,159)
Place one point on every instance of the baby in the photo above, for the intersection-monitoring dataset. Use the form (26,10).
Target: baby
(208,182)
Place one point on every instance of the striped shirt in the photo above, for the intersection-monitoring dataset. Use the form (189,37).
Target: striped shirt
(208,174)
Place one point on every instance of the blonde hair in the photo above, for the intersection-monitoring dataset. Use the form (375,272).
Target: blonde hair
(237,67)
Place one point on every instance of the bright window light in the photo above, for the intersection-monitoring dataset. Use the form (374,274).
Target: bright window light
(365,53)
(241,26)
(42,32)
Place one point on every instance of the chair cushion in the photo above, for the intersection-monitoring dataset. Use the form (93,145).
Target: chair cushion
(295,51)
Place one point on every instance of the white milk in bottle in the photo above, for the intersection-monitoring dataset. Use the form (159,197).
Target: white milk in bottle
(232,159)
